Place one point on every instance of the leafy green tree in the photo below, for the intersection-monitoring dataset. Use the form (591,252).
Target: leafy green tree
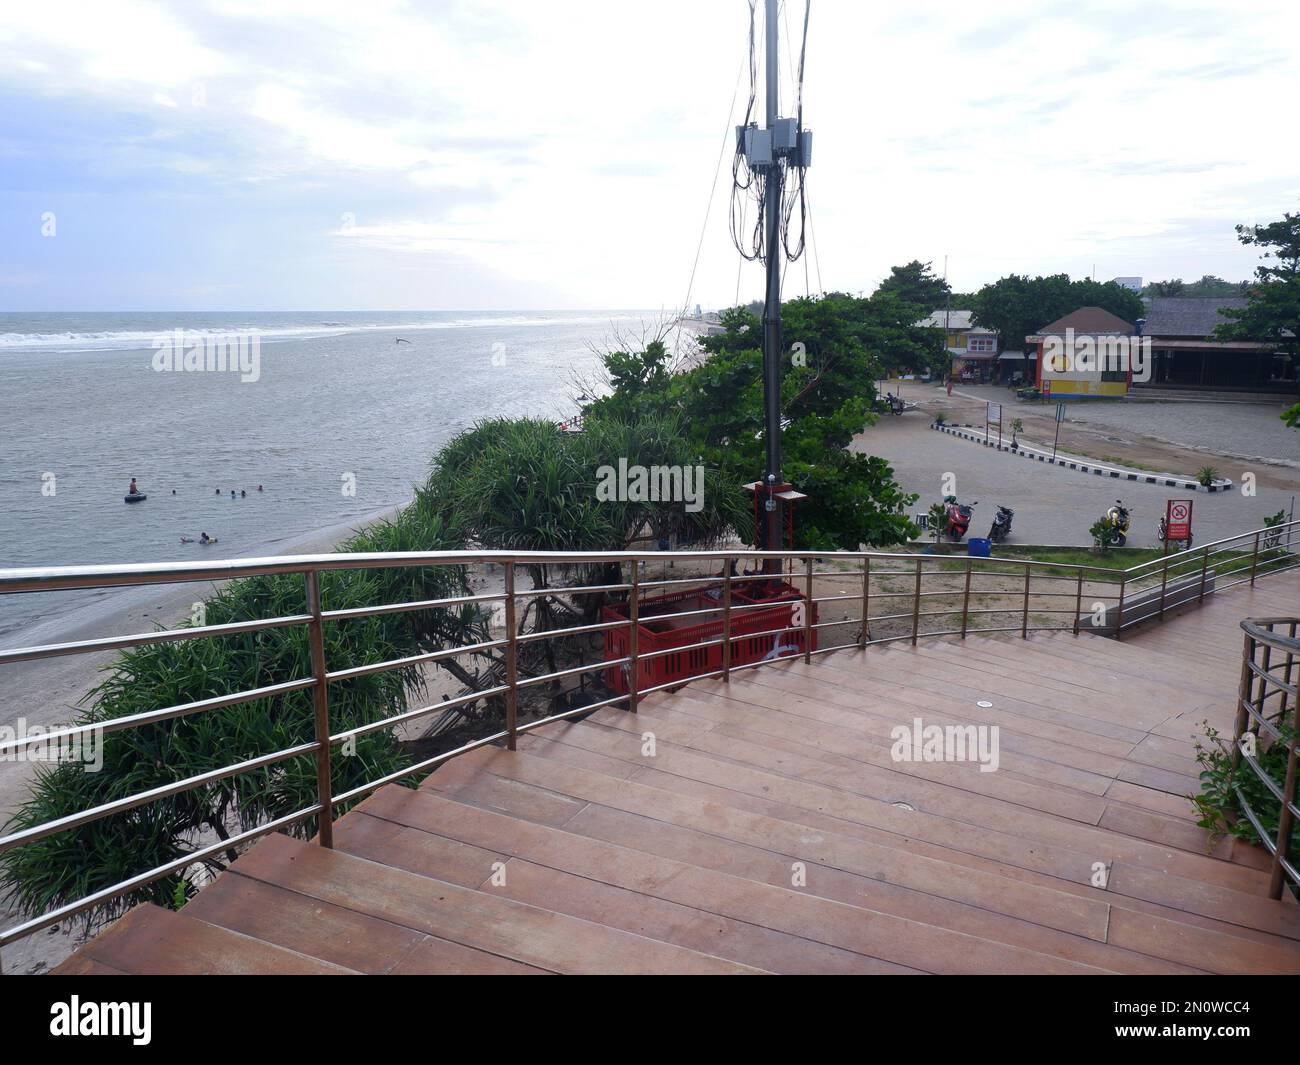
(1018,306)
(72,864)
(836,346)
(1272,311)
(916,283)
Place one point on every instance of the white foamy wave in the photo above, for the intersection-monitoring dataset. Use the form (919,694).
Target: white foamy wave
(134,339)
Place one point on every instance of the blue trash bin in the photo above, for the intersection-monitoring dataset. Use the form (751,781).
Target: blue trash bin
(978,547)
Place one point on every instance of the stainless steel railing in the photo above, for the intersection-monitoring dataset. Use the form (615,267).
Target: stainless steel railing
(1259,725)
(939,596)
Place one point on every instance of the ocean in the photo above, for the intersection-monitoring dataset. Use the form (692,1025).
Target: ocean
(335,419)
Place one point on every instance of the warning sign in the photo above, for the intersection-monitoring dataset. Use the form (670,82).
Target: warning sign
(1178,519)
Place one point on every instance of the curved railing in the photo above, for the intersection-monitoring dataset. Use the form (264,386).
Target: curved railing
(939,595)
(1270,669)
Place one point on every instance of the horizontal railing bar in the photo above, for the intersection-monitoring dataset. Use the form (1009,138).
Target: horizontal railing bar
(1260,719)
(595,667)
(405,608)
(130,802)
(1281,685)
(121,888)
(573,630)
(144,639)
(149,717)
(335,675)
(577,711)
(586,589)
(57,578)
(420,711)
(418,767)
(691,647)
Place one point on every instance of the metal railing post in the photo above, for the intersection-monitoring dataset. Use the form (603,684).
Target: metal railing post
(1285,818)
(1254,559)
(1205,565)
(726,621)
(321,708)
(866,601)
(1119,609)
(633,608)
(1164,584)
(916,604)
(1245,689)
(1024,618)
(808,614)
(965,599)
(512,661)
(1078,600)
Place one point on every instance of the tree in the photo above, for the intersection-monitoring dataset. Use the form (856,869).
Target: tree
(916,284)
(836,345)
(1272,311)
(1018,306)
(70,865)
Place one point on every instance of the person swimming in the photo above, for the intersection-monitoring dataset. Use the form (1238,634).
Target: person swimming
(259,487)
(187,539)
(242,494)
(204,538)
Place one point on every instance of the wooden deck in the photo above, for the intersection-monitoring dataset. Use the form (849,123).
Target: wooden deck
(770,830)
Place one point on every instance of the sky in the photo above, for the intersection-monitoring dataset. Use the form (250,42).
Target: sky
(526,154)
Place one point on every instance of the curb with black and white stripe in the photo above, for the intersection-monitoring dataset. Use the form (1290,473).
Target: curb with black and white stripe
(1082,465)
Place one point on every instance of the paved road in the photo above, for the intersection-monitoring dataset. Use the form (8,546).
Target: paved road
(1053,504)
(1220,430)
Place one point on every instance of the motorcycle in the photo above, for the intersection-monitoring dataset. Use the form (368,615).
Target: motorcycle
(1120,521)
(1001,527)
(959,515)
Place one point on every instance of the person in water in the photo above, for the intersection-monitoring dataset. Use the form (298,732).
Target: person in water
(259,487)
(204,538)
(242,494)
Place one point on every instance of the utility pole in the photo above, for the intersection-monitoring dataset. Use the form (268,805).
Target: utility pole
(774,526)
(768,152)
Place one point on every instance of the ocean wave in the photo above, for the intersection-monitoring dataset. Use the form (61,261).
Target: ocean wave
(134,339)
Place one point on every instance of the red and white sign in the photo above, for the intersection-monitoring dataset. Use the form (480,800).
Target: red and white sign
(1178,519)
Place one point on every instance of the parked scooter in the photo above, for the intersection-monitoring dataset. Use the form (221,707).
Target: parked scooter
(1001,527)
(1120,522)
(959,515)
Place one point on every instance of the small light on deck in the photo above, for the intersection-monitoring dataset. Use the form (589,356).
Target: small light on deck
(984,703)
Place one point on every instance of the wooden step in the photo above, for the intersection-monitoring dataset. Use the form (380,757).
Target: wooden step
(477,919)
(858,928)
(151,941)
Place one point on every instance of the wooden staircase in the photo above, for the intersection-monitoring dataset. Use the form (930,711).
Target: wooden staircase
(768,829)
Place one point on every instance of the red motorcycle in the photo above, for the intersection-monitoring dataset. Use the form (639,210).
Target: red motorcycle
(959,515)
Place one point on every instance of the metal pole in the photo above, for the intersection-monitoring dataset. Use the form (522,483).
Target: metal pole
(321,705)
(772,310)
(1164,582)
(808,615)
(1024,619)
(916,604)
(726,621)
(512,660)
(1205,562)
(1254,559)
(866,601)
(1119,610)
(1078,600)
(965,601)
(633,608)
(1284,819)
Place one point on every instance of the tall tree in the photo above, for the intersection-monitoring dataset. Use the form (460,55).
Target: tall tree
(1018,306)
(916,283)
(1272,311)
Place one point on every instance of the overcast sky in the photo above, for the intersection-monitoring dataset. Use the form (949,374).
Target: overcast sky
(374,154)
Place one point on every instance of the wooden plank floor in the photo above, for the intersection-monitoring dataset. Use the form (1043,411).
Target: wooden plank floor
(763,826)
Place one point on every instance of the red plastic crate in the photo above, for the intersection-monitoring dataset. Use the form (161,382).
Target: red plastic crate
(681,632)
